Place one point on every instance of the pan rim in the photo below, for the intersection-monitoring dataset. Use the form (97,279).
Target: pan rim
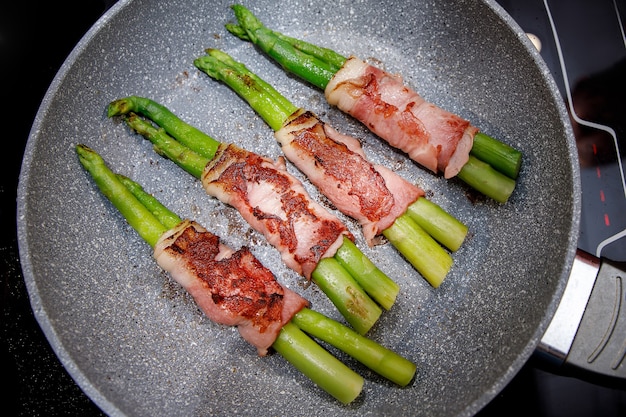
(47,325)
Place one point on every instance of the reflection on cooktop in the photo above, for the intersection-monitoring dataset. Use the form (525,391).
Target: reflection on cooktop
(584,46)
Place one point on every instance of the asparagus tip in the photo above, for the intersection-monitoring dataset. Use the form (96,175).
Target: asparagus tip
(237,30)
(118,107)
(86,155)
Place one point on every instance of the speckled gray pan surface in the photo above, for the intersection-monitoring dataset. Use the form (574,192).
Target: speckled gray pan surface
(137,344)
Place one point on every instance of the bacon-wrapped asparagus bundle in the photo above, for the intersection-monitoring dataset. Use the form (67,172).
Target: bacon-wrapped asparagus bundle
(230,287)
(435,138)
(311,241)
(378,198)
(234,288)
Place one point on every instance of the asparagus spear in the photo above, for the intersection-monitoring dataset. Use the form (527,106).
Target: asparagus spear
(381,360)
(344,289)
(495,177)
(136,214)
(167,218)
(416,245)
(149,217)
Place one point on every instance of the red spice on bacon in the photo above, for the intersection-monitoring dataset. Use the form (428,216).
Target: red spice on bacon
(435,138)
(336,164)
(276,204)
(343,168)
(231,287)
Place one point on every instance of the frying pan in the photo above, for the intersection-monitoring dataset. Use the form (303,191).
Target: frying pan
(137,344)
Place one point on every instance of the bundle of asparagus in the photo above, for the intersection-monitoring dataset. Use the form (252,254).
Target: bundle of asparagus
(158,226)
(394,112)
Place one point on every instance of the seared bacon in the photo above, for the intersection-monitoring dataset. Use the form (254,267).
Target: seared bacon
(433,137)
(231,287)
(335,163)
(276,204)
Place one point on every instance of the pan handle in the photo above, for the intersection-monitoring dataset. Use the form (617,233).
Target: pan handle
(587,335)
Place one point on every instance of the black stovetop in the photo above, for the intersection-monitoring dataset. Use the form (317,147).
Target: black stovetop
(584,46)
(35,40)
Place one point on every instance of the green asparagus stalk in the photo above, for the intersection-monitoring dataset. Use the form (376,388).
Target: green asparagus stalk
(499,155)
(137,215)
(358,307)
(194,138)
(314,68)
(249,86)
(327,56)
(346,294)
(412,242)
(326,371)
(383,361)
(443,227)
(165,216)
(484,178)
(317,65)
(373,280)
(299,349)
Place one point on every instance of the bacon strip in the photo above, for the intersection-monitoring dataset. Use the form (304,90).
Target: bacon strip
(231,287)
(433,137)
(276,204)
(335,163)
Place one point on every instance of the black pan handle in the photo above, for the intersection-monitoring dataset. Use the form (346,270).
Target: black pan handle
(587,334)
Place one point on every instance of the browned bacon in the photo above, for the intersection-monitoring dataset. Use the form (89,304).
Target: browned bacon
(276,204)
(231,287)
(433,137)
(336,164)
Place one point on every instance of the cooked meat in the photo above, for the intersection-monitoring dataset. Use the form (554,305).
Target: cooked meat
(231,287)
(433,137)
(276,204)
(336,164)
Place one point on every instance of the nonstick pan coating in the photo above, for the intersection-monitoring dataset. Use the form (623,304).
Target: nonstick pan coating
(137,344)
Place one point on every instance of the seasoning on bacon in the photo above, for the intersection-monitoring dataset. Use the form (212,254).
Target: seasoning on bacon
(275,204)
(231,287)
(372,194)
(433,137)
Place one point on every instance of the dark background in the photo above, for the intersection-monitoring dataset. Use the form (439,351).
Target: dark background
(35,39)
